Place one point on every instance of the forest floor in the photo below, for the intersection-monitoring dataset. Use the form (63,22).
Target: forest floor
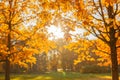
(59,76)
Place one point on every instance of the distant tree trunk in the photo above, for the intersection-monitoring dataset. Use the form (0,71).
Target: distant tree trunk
(54,68)
(7,69)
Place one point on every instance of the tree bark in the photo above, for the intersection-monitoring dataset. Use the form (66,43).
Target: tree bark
(114,61)
(7,69)
(7,62)
(113,54)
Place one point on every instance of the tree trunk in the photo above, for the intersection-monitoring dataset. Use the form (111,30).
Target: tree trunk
(113,54)
(7,69)
(114,62)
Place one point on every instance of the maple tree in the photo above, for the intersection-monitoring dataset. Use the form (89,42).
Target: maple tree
(100,18)
(18,42)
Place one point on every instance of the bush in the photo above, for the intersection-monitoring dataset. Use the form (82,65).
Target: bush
(94,69)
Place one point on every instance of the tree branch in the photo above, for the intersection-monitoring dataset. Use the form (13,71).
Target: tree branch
(102,15)
(96,18)
(103,51)
(2,60)
(97,35)
(116,9)
(96,7)
(102,12)
(98,49)
(118,47)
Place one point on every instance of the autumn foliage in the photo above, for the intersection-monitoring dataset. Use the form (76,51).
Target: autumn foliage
(23,31)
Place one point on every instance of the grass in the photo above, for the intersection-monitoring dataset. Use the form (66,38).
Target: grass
(59,76)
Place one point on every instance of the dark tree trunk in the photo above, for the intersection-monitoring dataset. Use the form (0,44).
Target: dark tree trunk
(114,63)
(7,62)
(113,50)
(7,69)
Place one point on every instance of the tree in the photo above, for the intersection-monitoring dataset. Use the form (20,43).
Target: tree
(66,56)
(19,42)
(101,20)
(41,64)
(82,49)
(9,20)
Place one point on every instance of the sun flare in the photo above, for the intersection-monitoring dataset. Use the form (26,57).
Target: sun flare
(55,32)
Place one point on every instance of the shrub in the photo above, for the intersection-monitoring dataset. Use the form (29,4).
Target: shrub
(94,69)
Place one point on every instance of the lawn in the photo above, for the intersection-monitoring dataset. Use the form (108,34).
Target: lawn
(59,76)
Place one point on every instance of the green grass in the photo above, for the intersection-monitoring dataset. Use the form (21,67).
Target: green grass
(59,76)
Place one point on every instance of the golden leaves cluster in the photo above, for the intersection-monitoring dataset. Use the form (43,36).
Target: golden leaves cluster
(109,2)
(24,41)
(82,48)
(102,50)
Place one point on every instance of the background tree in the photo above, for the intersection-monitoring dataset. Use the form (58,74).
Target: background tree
(41,64)
(66,57)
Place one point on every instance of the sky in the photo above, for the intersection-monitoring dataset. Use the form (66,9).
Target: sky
(56,33)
